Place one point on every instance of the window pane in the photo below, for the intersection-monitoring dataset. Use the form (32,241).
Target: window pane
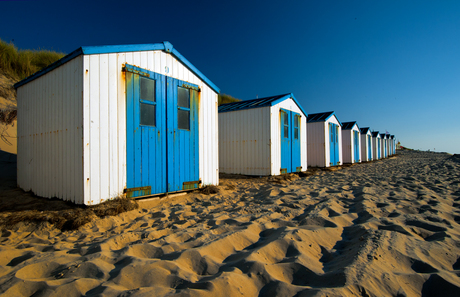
(183,119)
(147,114)
(183,97)
(296,121)
(147,89)
(286,120)
(286,132)
(296,133)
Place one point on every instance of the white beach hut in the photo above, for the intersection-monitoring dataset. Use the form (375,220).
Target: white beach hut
(110,120)
(384,146)
(393,144)
(376,146)
(265,136)
(366,144)
(324,140)
(351,143)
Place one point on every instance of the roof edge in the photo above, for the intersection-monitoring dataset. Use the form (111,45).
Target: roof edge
(165,46)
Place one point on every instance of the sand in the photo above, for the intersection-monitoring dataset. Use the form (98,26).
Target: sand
(384,228)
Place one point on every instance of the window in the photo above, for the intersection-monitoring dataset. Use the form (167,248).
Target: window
(296,127)
(183,108)
(285,118)
(147,114)
(147,102)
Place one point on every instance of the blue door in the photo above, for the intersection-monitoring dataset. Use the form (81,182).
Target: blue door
(182,134)
(334,144)
(356,145)
(378,148)
(369,146)
(162,133)
(290,141)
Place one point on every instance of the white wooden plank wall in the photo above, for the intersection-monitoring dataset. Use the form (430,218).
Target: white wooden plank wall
(50,133)
(244,142)
(105,115)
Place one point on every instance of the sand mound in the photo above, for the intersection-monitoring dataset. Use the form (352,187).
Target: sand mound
(387,228)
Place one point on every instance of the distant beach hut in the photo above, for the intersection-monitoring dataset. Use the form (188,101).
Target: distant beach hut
(105,121)
(393,145)
(366,144)
(324,143)
(265,136)
(376,146)
(351,142)
(384,147)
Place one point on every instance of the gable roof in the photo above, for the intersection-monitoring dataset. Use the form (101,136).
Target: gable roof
(260,102)
(375,134)
(107,49)
(383,135)
(364,130)
(321,117)
(349,125)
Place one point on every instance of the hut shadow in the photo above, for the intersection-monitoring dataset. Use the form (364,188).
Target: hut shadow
(14,199)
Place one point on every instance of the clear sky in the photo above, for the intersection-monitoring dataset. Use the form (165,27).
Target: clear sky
(389,65)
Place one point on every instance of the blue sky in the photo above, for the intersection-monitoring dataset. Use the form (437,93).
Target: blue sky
(390,65)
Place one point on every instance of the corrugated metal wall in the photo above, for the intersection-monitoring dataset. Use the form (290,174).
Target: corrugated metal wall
(105,115)
(50,133)
(244,141)
(275,133)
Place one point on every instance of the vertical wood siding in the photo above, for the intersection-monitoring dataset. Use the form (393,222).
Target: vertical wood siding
(244,142)
(50,133)
(348,148)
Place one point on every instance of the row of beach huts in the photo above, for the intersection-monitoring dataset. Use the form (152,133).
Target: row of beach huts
(141,120)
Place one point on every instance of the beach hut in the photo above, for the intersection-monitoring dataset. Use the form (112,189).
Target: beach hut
(393,145)
(351,143)
(265,136)
(324,140)
(384,147)
(376,146)
(366,144)
(106,121)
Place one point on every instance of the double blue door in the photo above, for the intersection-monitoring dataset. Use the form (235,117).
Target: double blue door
(334,144)
(161,133)
(290,141)
(356,145)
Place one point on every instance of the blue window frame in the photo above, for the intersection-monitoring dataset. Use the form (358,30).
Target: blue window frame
(183,108)
(147,102)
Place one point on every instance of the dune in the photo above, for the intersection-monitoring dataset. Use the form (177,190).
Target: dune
(384,228)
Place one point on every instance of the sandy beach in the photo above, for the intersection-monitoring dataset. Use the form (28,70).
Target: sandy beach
(384,228)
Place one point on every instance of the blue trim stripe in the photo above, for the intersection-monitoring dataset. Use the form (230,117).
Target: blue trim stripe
(107,49)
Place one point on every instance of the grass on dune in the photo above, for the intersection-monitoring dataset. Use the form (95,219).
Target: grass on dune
(19,64)
(224,98)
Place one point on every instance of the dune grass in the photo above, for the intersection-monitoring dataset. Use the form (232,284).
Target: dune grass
(224,98)
(19,64)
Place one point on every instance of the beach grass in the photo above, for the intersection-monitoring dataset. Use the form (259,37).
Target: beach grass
(19,64)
